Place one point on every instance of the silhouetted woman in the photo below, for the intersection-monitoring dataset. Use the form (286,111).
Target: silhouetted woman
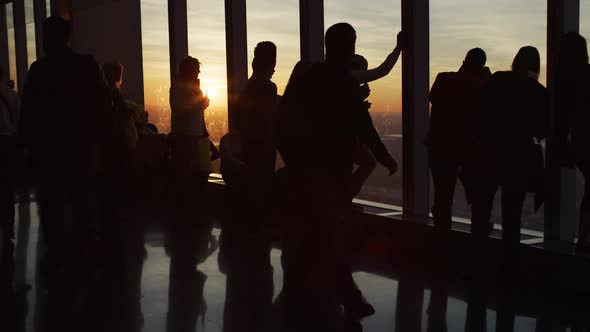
(190,142)
(573,107)
(284,137)
(512,115)
(191,166)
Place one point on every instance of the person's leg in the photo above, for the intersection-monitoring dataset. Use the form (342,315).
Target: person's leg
(444,179)
(513,196)
(367,163)
(484,190)
(51,215)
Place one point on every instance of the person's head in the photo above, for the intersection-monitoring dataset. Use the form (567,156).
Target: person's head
(340,43)
(189,69)
(359,63)
(475,59)
(56,35)
(573,51)
(527,62)
(265,59)
(299,71)
(113,73)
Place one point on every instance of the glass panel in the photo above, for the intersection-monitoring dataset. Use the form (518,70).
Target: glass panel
(156,61)
(206,37)
(276,22)
(376,28)
(269,20)
(31,43)
(585,18)
(11,45)
(30,31)
(500,28)
(29,11)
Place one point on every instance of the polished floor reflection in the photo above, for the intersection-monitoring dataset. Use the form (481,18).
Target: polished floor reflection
(237,286)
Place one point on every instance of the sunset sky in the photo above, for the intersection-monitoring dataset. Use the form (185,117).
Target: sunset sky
(500,27)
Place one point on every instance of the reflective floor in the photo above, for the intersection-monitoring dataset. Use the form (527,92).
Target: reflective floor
(237,287)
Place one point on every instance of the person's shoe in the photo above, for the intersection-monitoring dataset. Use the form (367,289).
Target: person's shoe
(359,310)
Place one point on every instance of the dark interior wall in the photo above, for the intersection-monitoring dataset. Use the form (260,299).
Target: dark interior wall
(111,30)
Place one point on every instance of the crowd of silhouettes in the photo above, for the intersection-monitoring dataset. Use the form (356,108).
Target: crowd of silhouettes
(81,136)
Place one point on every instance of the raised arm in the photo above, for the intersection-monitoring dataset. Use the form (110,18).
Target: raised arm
(366,76)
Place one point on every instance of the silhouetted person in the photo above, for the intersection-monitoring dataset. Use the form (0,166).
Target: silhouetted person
(512,115)
(573,119)
(364,157)
(454,97)
(64,116)
(287,111)
(257,106)
(126,133)
(9,117)
(189,135)
(318,144)
(256,113)
(117,150)
(191,165)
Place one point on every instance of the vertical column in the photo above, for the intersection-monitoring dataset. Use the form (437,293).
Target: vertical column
(178,31)
(236,52)
(4,64)
(20,43)
(415,108)
(560,209)
(40,11)
(311,28)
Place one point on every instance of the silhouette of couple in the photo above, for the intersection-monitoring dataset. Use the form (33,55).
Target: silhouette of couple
(486,129)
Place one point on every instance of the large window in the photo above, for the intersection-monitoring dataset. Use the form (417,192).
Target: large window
(11,45)
(499,27)
(156,61)
(30,30)
(206,41)
(269,20)
(585,18)
(377,26)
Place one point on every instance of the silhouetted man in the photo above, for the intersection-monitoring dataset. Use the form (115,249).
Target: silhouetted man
(65,100)
(257,107)
(454,97)
(254,125)
(324,125)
